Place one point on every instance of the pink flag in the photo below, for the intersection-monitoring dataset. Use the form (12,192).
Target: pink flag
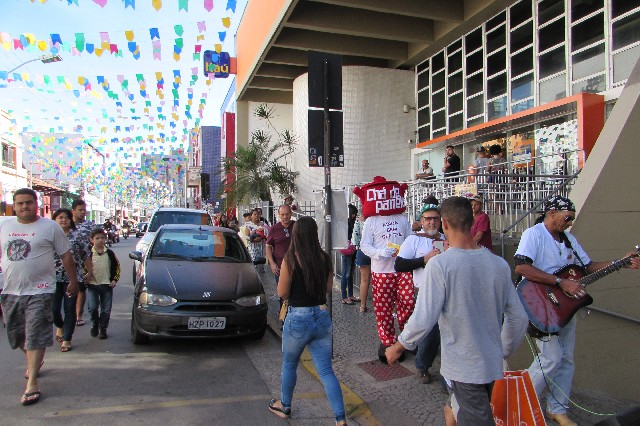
(100,3)
(202,26)
(208,5)
(104,37)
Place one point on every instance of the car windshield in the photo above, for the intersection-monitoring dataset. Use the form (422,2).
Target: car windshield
(199,245)
(178,217)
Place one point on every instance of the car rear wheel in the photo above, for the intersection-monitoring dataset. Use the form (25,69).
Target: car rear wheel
(137,338)
(259,334)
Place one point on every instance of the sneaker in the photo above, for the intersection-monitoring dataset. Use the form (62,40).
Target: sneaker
(102,334)
(423,377)
(94,331)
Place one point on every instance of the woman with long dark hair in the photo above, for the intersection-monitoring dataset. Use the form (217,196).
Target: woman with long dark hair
(306,277)
(65,326)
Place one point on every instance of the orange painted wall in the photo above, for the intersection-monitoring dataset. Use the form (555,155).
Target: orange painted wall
(260,19)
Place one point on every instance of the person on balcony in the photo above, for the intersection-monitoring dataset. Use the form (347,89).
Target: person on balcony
(481,229)
(426,171)
(451,163)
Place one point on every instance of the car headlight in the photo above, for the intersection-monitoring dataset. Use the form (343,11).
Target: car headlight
(151,299)
(256,300)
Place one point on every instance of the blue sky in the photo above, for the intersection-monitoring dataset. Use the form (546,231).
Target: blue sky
(53,106)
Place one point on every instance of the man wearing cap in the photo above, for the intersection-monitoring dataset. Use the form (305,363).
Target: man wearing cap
(413,256)
(545,248)
(481,229)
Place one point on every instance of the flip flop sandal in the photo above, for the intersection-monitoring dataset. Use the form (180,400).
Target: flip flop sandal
(80,323)
(347,301)
(30,398)
(59,339)
(354,298)
(282,412)
(64,348)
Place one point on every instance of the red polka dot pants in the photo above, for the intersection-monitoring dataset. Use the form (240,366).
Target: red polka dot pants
(389,290)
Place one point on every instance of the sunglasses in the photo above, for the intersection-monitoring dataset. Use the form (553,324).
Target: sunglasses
(569,218)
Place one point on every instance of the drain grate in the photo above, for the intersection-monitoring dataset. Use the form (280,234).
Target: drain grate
(383,372)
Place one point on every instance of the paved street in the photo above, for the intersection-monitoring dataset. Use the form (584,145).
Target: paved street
(173,382)
(169,382)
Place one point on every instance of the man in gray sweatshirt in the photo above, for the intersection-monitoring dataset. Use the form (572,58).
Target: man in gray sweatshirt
(468,291)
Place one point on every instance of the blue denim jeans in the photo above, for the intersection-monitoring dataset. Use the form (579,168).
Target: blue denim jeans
(312,327)
(428,349)
(99,296)
(60,300)
(556,357)
(346,281)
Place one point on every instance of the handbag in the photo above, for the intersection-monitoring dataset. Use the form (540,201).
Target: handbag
(514,401)
(283,310)
(349,251)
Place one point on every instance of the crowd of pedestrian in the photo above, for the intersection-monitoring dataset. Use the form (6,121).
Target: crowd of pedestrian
(44,262)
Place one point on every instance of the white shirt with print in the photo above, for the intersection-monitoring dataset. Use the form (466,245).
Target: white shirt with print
(376,232)
(27,255)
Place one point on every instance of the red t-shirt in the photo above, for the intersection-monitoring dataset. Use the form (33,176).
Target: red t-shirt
(481,224)
(279,239)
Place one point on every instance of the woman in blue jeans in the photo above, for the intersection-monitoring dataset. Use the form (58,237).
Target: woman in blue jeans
(305,279)
(65,326)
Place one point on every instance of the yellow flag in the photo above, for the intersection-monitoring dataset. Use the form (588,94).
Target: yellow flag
(226,22)
(218,48)
(157,4)
(31,39)
(42,45)
(129,35)
(176,57)
(99,52)
(25,76)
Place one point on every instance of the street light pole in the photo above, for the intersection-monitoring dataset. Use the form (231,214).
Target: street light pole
(45,59)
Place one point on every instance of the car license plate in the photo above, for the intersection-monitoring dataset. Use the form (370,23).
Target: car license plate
(206,323)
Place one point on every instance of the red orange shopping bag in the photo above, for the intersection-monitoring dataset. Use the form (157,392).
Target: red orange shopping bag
(514,401)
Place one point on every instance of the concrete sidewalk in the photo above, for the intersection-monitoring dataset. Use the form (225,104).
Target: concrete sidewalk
(377,394)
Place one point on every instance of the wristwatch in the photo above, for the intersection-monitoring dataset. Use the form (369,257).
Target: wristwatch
(558,281)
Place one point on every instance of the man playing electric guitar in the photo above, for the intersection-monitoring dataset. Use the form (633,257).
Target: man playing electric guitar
(544,249)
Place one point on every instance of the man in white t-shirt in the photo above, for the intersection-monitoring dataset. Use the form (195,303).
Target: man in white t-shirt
(27,247)
(413,256)
(545,248)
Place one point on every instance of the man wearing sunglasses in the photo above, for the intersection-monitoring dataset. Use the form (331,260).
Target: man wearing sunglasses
(545,248)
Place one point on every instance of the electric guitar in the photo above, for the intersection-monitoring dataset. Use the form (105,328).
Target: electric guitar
(549,307)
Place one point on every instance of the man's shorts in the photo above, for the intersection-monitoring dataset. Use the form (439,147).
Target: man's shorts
(362,259)
(471,403)
(29,320)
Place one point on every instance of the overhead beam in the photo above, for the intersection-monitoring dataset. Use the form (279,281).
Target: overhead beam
(269,96)
(280,71)
(341,44)
(349,21)
(437,10)
(271,83)
(283,56)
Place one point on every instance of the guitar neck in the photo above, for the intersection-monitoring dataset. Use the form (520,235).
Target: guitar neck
(601,273)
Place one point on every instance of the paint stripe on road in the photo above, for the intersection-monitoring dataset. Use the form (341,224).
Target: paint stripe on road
(174,403)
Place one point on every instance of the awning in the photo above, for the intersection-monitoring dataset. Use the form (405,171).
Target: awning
(45,188)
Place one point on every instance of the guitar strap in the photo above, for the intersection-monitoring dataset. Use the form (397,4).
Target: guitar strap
(568,244)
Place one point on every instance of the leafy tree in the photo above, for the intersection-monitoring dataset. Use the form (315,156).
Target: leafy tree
(262,167)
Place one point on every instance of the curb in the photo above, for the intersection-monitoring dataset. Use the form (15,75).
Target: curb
(355,407)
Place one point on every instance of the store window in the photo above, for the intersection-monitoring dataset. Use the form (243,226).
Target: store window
(556,143)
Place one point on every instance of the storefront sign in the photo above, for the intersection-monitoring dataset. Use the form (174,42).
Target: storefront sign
(194,176)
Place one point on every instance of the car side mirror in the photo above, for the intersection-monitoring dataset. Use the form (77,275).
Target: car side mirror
(260,261)
(136,255)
